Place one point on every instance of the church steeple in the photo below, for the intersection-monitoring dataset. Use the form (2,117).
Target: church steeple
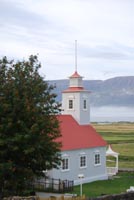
(75,99)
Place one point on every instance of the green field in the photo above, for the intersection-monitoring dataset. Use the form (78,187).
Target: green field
(121,137)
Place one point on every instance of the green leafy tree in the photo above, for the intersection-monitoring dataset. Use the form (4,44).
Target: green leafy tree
(28,124)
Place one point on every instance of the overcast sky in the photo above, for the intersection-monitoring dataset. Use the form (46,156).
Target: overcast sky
(104,30)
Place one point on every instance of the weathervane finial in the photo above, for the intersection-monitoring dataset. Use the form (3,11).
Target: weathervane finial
(76,55)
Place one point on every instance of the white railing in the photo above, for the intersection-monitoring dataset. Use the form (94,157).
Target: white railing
(112,170)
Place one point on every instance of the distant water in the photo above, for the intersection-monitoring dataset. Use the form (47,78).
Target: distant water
(111,114)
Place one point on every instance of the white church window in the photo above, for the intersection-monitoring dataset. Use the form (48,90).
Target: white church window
(83,161)
(65,164)
(97,159)
(84,104)
(70,104)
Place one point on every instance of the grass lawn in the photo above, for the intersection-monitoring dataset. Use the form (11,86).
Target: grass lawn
(118,184)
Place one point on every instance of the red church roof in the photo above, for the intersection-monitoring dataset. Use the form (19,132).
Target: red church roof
(75,136)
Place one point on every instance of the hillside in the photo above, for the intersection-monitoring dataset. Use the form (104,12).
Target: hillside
(118,91)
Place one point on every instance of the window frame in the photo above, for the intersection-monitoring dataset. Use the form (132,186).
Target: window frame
(97,159)
(65,165)
(83,163)
(70,104)
(84,104)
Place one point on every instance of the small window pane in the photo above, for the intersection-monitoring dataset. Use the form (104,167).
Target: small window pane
(85,104)
(65,164)
(82,161)
(70,104)
(97,159)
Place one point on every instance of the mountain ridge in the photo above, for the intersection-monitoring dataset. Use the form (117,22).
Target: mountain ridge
(116,91)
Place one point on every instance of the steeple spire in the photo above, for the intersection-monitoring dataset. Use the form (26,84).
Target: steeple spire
(76,55)
(76,79)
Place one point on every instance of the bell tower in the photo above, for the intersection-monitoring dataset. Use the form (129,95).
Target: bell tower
(75,99)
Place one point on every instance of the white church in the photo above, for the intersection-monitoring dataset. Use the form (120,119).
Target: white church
(83,149)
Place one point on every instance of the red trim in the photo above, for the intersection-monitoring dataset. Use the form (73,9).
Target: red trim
(70,89)
(75,89)
(75,75)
